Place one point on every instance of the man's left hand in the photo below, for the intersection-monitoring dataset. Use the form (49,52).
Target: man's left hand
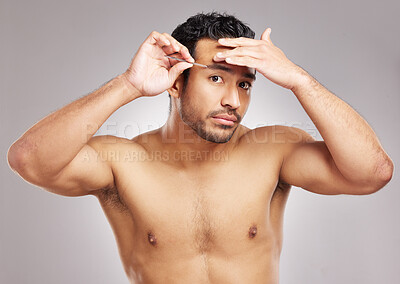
(264,56)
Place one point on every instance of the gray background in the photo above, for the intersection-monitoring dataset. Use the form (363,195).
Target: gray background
(53,52)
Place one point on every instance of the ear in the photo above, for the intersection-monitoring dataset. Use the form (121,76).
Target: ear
(176,88)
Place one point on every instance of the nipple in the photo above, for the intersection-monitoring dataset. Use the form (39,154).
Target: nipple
(252,231)
(152,239)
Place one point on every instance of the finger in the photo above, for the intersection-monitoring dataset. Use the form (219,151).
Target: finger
(169,44)
(183,53)
(179,48)
(174,61)
(169,50)
(239,41)
(177,69)
(243,61)
(174,43)
(266,35)
(159,39)
(163,42)
(253,51)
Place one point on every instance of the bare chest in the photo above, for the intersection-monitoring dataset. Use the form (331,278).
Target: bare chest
(200,210)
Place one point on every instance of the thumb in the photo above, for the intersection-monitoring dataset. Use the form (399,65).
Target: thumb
(266,35)
(177,69)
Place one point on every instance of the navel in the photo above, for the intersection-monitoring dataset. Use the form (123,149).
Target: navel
(152,239)
(252,231)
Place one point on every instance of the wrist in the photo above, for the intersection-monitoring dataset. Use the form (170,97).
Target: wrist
(130,92)
(303,79)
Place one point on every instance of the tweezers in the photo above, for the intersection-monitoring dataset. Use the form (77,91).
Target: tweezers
(183,60)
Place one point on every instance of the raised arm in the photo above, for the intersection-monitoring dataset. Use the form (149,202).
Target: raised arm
(60,154)
(350,160)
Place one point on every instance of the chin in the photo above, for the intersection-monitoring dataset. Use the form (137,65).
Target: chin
(212,132)
(222,135)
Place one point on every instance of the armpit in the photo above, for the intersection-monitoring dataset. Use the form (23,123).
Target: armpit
(110,197)
(283,185)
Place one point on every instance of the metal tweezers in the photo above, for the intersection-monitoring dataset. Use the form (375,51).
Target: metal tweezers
(183,60)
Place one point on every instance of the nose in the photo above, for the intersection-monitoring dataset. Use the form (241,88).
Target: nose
(231,98)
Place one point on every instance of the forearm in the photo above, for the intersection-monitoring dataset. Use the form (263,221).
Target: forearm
(56,139)
(352,143)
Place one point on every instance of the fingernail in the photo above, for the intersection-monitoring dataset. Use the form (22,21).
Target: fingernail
(219,54)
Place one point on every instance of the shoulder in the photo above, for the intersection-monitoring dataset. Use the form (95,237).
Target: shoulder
(274,140)
(276,135)
(111,148)
(105,140)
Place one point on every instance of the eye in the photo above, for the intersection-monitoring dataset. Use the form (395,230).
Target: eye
(245,85)
(216,79)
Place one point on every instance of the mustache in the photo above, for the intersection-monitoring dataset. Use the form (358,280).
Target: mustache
(228,112)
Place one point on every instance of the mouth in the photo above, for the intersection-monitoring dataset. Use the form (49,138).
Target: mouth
(225,120)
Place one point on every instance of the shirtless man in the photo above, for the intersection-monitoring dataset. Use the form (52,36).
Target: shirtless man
(201,199)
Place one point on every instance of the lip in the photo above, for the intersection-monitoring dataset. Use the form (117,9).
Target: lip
(226,117)
(225,121)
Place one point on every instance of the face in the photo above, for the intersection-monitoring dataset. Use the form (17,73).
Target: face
(216,98)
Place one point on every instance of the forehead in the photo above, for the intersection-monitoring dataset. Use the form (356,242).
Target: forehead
(206,49)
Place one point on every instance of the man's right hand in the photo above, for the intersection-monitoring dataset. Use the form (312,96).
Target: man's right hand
(150,72)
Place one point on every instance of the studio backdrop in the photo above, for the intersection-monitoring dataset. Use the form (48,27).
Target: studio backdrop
(54,52)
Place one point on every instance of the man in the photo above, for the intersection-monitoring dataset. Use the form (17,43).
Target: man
(201,199)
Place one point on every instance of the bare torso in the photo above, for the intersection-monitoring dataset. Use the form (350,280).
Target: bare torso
(218,221)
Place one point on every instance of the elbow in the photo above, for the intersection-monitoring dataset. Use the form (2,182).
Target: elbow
(18,158)
(383,175)
(387,170)
(23,160)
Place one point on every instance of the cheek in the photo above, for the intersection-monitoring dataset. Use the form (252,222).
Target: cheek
(245,99)
(244,104)
(204,94)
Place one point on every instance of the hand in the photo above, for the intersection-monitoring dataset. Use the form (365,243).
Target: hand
(150,72)
(264,56)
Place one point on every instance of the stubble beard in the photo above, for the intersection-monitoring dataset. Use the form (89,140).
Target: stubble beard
(189,116)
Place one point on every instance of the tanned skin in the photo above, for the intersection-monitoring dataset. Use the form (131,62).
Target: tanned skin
(202,199)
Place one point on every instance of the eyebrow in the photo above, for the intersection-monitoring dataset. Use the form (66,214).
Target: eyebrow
(216,66)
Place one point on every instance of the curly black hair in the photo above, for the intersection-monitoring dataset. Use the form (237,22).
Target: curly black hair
(211,25)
